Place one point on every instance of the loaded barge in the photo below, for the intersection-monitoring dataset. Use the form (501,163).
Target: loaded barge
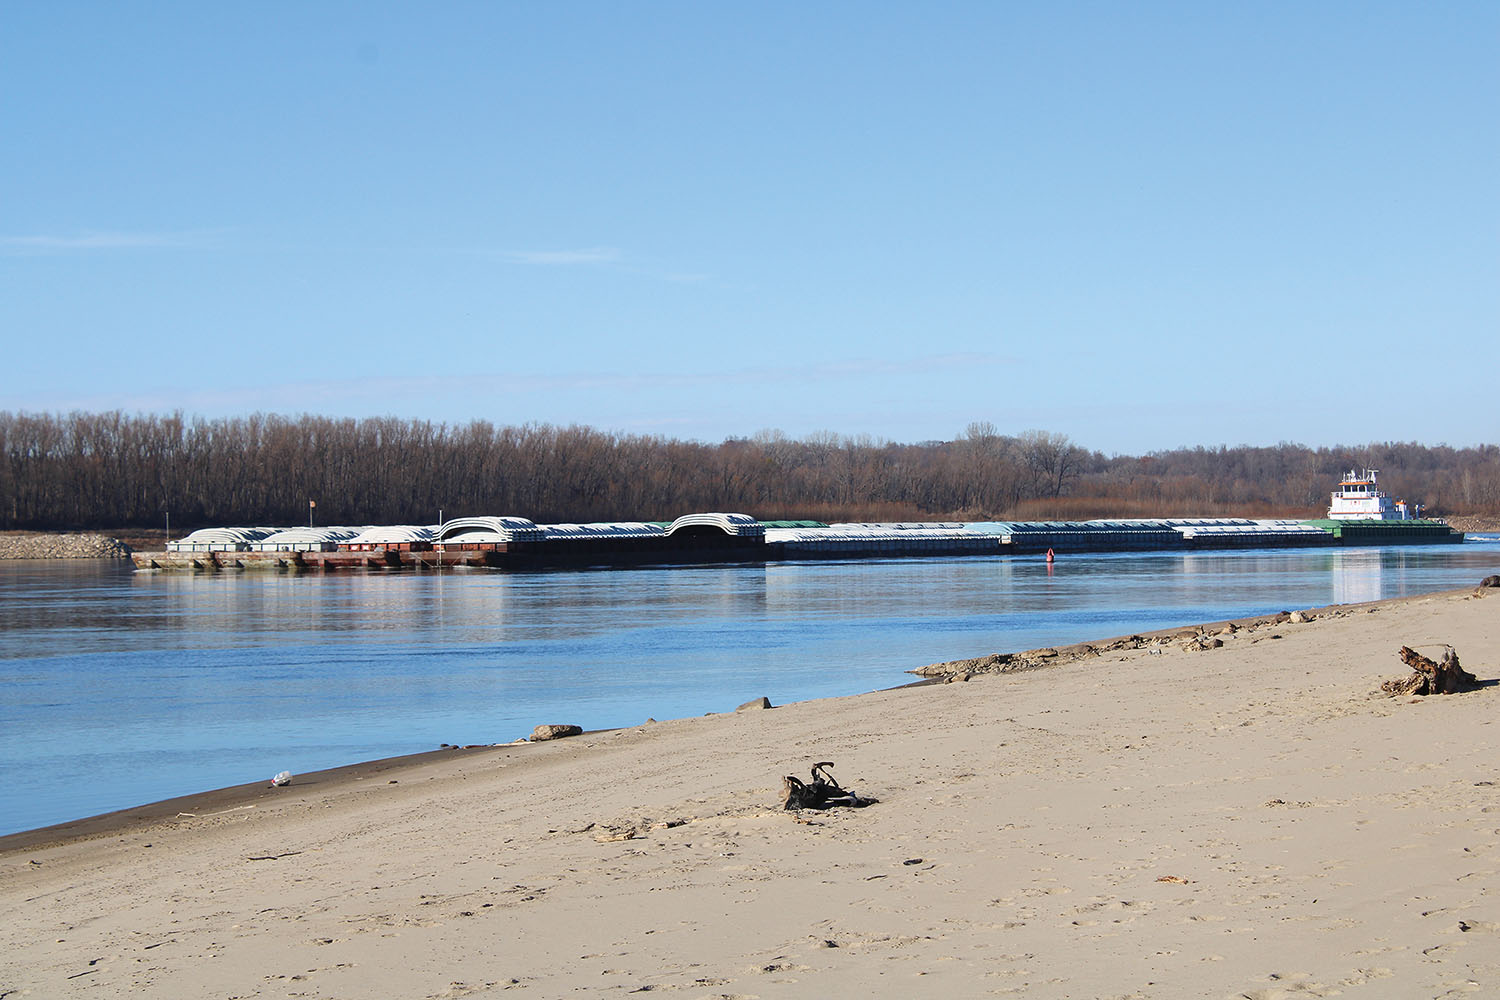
(1358,515)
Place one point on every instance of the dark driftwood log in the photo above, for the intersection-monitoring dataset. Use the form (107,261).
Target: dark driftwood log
(1445,676)
(821,793)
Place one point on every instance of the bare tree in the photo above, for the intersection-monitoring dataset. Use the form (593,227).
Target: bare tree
(1053,460)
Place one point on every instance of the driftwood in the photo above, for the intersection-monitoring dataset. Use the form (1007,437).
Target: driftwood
(822,793)
(1445,676)
(555,731)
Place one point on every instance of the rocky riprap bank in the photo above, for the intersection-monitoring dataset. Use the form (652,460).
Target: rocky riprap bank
(45,546)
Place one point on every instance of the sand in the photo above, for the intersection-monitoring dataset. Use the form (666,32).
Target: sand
(1249,821)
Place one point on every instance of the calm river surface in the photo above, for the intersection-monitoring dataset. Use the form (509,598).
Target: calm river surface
(121,688)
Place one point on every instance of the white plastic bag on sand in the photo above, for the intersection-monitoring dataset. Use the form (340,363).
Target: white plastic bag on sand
(284,778)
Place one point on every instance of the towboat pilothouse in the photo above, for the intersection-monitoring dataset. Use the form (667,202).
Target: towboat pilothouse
(1358,499)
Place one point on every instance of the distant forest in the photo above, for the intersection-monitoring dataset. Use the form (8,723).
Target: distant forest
(113,470)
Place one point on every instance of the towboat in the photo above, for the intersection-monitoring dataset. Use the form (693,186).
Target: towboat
(1358,498)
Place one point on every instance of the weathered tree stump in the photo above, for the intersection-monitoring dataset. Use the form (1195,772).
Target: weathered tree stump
(1445,676)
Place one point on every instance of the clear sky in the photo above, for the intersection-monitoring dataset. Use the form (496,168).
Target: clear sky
(1143,225)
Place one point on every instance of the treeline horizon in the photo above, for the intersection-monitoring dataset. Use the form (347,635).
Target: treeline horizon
(80,471)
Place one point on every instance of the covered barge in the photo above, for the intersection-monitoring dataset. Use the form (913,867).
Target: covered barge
(518,543)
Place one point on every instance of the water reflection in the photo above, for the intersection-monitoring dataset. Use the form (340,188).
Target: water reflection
(1357,576)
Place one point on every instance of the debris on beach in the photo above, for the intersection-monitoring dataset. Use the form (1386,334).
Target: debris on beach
(1444,676)
(618,830)
(755,705)
(1196,638)
(1031,659)
(281,778)
(822,793)
(554,731)
(1001,663)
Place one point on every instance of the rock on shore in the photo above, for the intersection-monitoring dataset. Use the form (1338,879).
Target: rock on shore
(27,545)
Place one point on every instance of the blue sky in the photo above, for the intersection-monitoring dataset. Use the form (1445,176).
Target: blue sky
(1143,225)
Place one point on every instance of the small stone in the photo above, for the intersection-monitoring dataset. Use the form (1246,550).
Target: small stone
(958,678)
(755,706)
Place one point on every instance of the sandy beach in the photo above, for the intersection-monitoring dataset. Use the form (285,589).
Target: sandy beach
(1254,820)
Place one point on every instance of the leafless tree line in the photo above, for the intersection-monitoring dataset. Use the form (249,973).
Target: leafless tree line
(100,470)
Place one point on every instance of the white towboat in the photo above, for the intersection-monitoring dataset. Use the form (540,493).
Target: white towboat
(1357,498)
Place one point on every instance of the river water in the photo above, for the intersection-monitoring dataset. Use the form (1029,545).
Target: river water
(121,687)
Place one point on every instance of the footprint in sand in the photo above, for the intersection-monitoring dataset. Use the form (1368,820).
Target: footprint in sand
(1288,986)
(1488,926)
(1361,977)
(1100,907)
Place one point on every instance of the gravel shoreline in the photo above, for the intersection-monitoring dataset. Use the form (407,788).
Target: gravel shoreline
(43,545)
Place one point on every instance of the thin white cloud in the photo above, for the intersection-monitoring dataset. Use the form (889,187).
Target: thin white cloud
(100,240)
(596,381)
(346,394)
